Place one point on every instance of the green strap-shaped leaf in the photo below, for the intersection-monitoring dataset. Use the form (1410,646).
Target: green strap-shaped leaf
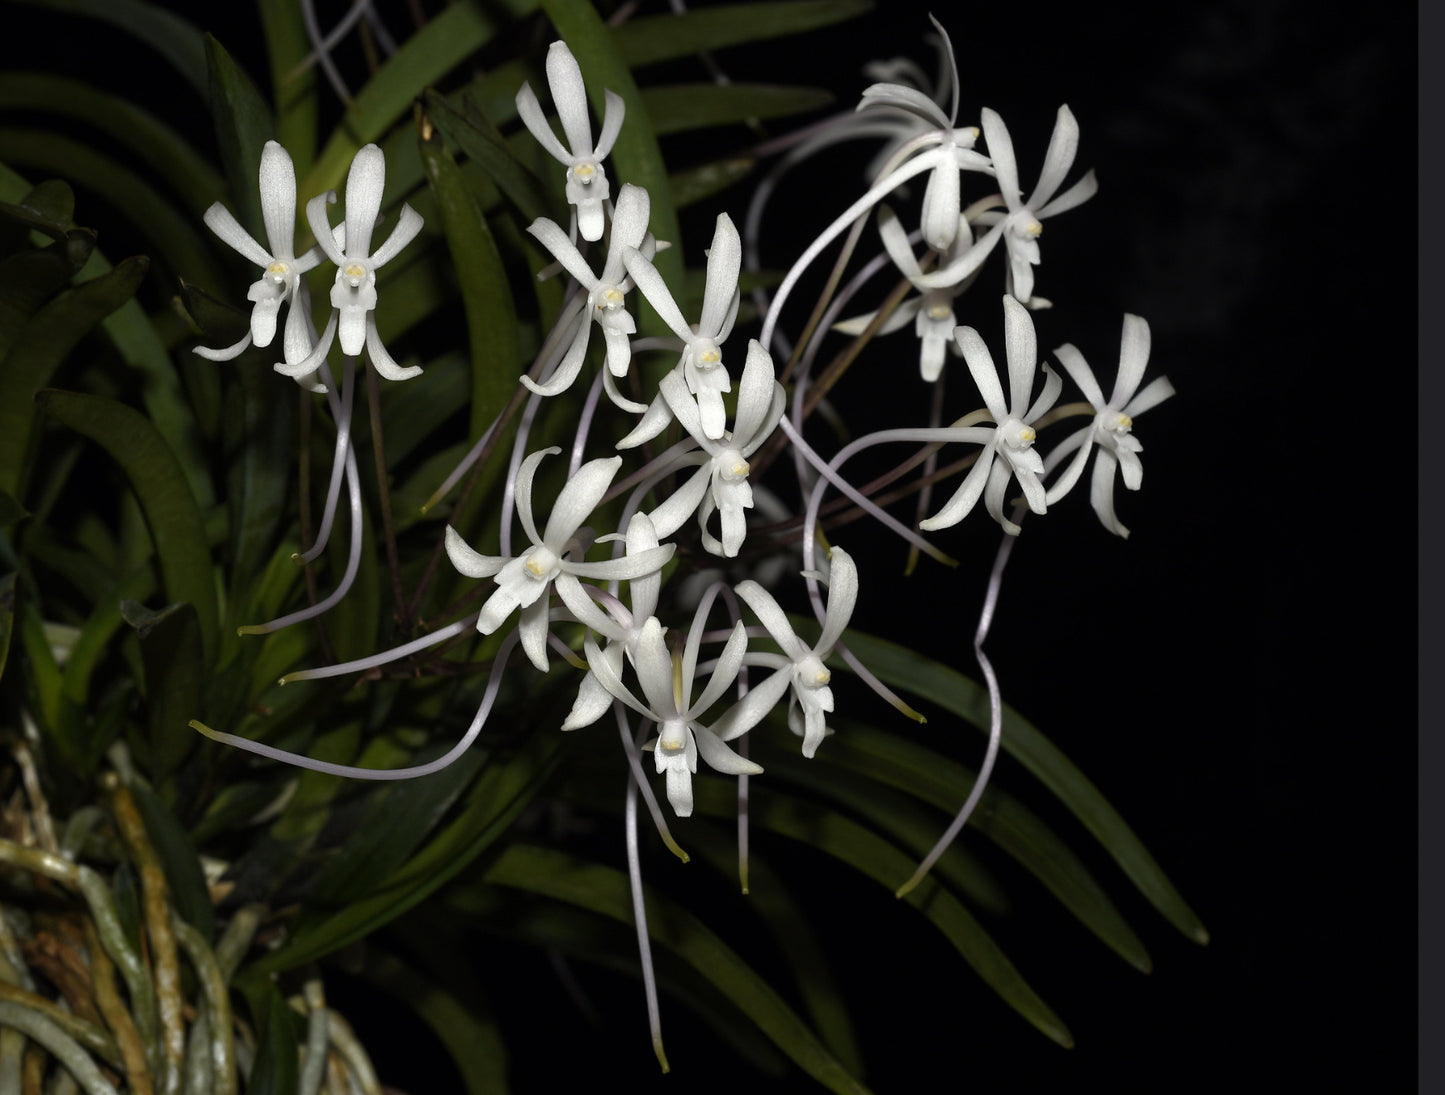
(40,347)
(492,335)
(175,672)
(681,108)
(695,184)
(174,38)
(491,806)
(243,126)
(154,143)
(649,39)
(474,1040)
(473,133)
(637,157)
(277,1065)
(455,33)
(828,831)
(159,482)
(927,679)
(605,890)
(293,89)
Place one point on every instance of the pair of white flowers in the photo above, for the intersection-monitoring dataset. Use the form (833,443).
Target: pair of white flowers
(348,246)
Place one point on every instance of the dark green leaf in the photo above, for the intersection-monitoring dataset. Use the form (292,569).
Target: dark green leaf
(159,482)
(699,183)
(293,88)
(170,645)
(651,38)
(680,108)
(7,618)
(276,1068)
(243,126)
(174,38)
(473,133)
(927,679)
(40,347)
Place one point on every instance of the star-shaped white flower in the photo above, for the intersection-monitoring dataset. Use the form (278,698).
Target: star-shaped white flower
(606,301)
(701,363)
(525,580)
(1022,223)
(804,664)
(667,684)
(1110,431)
(586,180)
(1008,451)
(353,296)
(721,481)
(942,197)
(281,269)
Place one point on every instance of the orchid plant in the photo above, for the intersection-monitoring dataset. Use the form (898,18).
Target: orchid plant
(340,802)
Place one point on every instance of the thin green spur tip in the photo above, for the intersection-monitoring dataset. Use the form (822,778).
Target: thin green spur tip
(661,1055)
(197,724)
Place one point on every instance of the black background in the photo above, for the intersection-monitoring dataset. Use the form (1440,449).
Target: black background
(1236,677)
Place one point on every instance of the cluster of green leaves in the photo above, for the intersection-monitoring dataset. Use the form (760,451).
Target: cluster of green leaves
(149,507)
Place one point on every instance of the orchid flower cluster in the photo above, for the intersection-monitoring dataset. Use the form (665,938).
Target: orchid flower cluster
(699,688)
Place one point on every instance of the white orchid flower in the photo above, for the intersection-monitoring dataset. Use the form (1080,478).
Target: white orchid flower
(586,180)
(281,270)
(1008,451)
(721,481)
(667,684)
(1022,223)
(701,363)
(942,197)
(353,296)
(525,580)
(804,664)
(1110,431)
(932,310)
(606,293)
(621,624)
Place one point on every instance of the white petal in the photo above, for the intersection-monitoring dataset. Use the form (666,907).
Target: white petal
(569,94)
(713,414)
(620,401)
(278,198)
(993,495)
(1001,152)
(721,757)
(842,597)
(724,262)
(1075,195)
(578,499)
(563,250)
(965,498)
(941,206)
(654,669)
(983,371)
(754,707)
(1154,393)
(592,699)
(895,242)
(629,224)
(729,661)
(644,589)
(263,320)
(321,227)
(407,226)
(1021,346)
(590,221)
(232,351)
(619,350)
(530,111)
(312,361)
(1079,371)
(381,361)
(533,629)
(1053,385)
(220,221)
(669,516)
(364,184)
(609,677)
(1082,440)
(645,276)
(771,615)
(755,395)
(628,567)
(587,611)
(614,110)
(522,491)
(654,421)
(674,389)
(1063,145)
(471,563)
(905,98)
(570,365)
(1133,357)
(1101,493)
(497,608)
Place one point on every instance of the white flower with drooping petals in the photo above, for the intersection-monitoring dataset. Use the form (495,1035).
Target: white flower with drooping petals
(606,294)
(667,683)
(701,363)
(1022,223)
(810,677)
(721,482)
(1111,429)
(587,185)
(353,296)
(281,269)
(525,580)
(1008,452)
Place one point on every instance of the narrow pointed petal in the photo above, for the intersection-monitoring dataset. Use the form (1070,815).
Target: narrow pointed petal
(614,110)
(220,221)
(619,351)
(629,223)
(497,608)
(1133,357)
(278,198)
(1101,493)
(579,498)
(905,98)
(946,277)
(642,536)
(1022,350)
(592,699)
(609,676)
(669,516)
(382,361)
(228,353)
(983,371)
(754,707)
(351,329)
(530,111)
(321,227)
(556,241)
(533,629)
(771,615)
(407,226)
(1001,152)
(713,414)
(724,263)
(587,611)
(726,670)
(654,421)
(994,492)
(895,242)
(364,184)
(1154,393)
(674,389)
(569,95)
(930,358)
(941,206)
(471,563)
(1083,441)
(626,568)
(1130,468)
(1075,195)
(842,597)
(1079,371)
(621,402)
(522,491)
(312,361)
(645,276)
(721,757)
(654,669)
(965,497)
(1063,146)
(567,369)
(755,394)
(299,336)
(1053,385)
